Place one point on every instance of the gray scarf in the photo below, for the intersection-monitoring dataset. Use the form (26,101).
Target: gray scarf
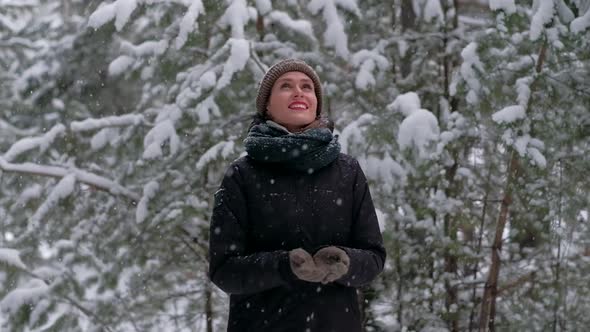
(306,151)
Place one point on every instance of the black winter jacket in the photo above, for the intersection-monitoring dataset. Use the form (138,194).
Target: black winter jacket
(261,212)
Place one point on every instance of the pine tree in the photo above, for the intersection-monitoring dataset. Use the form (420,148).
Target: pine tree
(119,118)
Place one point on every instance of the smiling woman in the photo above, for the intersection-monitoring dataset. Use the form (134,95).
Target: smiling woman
(293,231)
(293,102)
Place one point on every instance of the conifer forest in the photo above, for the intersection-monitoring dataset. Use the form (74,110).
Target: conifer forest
(470,119)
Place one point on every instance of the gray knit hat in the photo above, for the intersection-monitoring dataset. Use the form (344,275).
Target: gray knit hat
(279,69)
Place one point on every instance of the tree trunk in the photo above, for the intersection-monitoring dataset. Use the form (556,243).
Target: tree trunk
(451,258)
(408,18)
(208,307)
(488,303)
(260,26)
(65,10)
(558,288)
(400,283)
(478,247)
(450,225)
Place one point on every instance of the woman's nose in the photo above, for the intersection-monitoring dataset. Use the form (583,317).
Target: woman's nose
(298,91)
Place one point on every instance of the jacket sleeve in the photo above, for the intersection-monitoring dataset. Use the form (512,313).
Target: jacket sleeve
(365,250)
(230,267)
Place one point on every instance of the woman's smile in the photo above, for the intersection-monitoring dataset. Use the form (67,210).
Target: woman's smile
(298,106)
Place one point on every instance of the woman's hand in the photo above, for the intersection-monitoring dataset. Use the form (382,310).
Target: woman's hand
(333,261)
(304,267)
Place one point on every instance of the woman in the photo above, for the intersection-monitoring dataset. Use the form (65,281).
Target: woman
(293,231)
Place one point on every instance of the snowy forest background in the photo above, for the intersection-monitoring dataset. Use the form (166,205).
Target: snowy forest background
(471,119)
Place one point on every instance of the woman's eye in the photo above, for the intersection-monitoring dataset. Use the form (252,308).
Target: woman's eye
(285,85)
(307,87)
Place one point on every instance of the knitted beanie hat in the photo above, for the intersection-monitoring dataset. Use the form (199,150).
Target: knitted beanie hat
(279,69)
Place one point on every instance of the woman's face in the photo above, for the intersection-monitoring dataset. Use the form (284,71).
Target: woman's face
(292,101)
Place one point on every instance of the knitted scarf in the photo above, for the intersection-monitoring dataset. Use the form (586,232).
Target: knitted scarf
(306,151)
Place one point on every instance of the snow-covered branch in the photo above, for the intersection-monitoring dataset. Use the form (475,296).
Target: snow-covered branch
(334,36)
(149,192)
(63,189)
(11,257)
(119,10)
(187,24)
(7,127)
(88,178)
(224,148)
(109,121)
(29,143)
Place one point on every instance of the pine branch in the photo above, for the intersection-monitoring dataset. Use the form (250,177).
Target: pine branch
(71,301)
(93,180)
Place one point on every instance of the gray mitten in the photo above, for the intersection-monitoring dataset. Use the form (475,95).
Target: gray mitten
(304,267)
(334,261)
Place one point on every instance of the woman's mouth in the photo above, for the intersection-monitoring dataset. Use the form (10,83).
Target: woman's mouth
(298,106)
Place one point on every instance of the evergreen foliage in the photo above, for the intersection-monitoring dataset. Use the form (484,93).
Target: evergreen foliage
(118,118)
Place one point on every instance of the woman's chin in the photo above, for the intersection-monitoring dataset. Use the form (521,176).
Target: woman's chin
(296,124)
(295,121)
